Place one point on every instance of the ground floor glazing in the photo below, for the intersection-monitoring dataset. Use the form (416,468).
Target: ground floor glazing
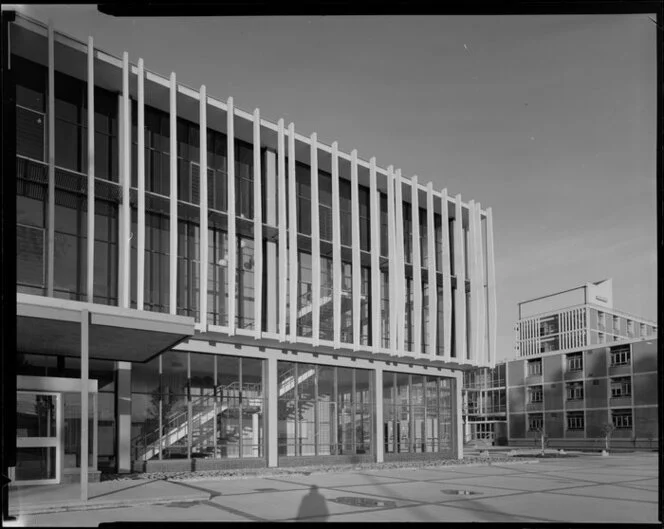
(200,408)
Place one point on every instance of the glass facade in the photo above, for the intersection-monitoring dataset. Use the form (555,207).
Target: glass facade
(187,405)
(417,413)
(324,410)
(70,265)
(206,406)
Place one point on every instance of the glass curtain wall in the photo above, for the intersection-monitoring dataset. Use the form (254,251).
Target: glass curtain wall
(417,413)
(324,410)
(192,405)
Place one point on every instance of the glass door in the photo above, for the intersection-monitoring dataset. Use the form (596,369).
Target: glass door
(38,427)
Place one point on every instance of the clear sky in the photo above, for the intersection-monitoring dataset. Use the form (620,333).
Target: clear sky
(550,120)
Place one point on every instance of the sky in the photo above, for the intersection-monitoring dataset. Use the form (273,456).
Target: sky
(550,120)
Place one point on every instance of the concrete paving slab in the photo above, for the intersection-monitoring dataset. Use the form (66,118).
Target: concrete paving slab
(423,492)
(574,508)
(611,492)
(592,490)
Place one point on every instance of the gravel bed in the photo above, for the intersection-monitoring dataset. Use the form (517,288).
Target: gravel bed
(306,470)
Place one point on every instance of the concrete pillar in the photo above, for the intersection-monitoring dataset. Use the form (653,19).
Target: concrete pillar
(336,248)
(140,177)
(272,275)
(232,243)
(91,174)
(85,355)
(376,331)
(431,273)
(355,260)
(378,420)
(258,229)
(125,207)
(292,235)
(50,207)
(283,242)
(315,244)
(203,210)
(460,272)
(392,251)
(457,413)
(173,225)
(123,416)
(447,280)
(271,396)
(417,268)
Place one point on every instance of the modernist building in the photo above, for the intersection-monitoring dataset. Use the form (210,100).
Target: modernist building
(575,319)
(484,404)
(572,396)
(581,365)
(212,289)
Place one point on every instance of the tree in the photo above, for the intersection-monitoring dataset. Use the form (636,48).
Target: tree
(607,431)
(540,434)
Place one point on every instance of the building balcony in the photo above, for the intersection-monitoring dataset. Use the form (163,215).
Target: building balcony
(577,374)
(576,404)
(621,402)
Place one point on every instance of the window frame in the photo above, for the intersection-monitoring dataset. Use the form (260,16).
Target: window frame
(575,421)
(534,391)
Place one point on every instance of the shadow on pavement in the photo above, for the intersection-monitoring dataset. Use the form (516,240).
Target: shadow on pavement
(313,507)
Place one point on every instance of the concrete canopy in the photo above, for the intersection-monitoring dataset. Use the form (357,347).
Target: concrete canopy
(53,326)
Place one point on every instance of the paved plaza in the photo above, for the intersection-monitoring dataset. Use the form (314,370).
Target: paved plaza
(621,488)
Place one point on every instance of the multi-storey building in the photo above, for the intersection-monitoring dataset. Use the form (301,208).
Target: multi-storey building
(573,396)
(578,362)
(212,289)
(575,319)
(485,404)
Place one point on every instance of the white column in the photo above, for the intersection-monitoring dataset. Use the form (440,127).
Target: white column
(272,270)
(458,399)
(460,272)
(283,261)
(482,293)
(400,279)
(126,183)
(173,198)
(379,437)
(376,333)
(473,350)
(272,394)
(203,206)
(85,354)
(447,279)
(315,243)
(140,176)
(392,250)
(355,245)
(50,211)
(431,262)
(292,233)
(258,229)
(91,172)
(232,242)
(417,267)
(336,247)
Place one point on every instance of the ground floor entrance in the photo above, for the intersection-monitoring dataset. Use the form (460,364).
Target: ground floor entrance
(48,430)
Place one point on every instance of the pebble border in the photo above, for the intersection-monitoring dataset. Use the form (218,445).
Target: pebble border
(203,475)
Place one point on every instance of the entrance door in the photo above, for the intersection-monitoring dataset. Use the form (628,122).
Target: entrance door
(38,427)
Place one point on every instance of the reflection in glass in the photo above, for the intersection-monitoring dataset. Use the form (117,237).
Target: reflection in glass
(72,429)
(35,463)
(35,415)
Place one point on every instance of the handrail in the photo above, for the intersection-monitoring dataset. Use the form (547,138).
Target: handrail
(179,419)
